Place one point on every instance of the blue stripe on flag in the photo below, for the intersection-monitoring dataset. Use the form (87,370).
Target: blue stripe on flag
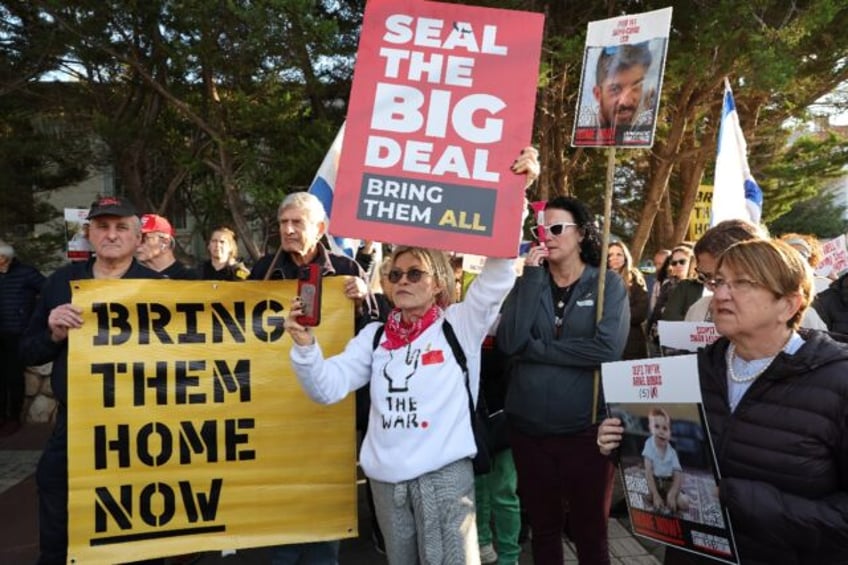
(323,187)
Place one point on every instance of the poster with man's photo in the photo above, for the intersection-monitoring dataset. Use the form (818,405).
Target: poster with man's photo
(620,86)
(666,459)
(76,229)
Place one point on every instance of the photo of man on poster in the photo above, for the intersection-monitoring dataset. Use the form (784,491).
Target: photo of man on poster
(619,104)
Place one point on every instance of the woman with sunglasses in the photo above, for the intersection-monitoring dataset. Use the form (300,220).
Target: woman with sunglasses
(419,444)
(681,270)
(620,261)
(776,400)
(549,328)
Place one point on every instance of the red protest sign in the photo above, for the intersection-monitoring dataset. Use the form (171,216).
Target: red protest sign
(441,104)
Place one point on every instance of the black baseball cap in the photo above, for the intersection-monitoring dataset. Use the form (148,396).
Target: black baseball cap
(112,206)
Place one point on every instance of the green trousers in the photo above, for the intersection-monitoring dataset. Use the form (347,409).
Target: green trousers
(498,506)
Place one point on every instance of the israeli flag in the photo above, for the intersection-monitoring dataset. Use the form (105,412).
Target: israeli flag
(323,185)
(736,194)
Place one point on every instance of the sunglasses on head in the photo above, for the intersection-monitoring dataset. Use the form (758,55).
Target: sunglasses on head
(554,229)
(677,262)
(412,275)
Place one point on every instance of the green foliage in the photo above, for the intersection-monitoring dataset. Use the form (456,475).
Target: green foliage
(820,216)
(217,109)
(802,171)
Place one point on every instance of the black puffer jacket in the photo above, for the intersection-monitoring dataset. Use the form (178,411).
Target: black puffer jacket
(832,305)
(783,454)
(19,287)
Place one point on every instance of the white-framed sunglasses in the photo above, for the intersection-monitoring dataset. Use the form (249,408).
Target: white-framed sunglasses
(553,229)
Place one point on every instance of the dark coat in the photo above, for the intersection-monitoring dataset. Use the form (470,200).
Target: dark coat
(637,294)
(236,272)
(37,347)
(178,271)
(552,378)
(331,265)
(783,454)
(19,288)
(832,305)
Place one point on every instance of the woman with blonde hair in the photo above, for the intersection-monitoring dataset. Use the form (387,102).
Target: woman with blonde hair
(418,450)
(223,263)
(620,261)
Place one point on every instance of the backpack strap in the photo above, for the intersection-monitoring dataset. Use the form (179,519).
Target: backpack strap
(456,348)
(377,336)
(453,341)
(459,354)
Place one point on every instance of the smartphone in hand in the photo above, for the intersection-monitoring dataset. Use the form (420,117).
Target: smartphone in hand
(309,290)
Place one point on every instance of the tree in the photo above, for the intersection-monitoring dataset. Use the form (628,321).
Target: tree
(219,109)
(791,55)
(200,98)
(820,216)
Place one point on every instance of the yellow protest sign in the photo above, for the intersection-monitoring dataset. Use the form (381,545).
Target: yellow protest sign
(699,218)
(187,429)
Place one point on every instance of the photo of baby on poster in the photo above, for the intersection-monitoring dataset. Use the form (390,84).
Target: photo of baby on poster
(666,459)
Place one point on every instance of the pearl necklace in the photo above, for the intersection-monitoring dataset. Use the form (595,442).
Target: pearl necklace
(766,361)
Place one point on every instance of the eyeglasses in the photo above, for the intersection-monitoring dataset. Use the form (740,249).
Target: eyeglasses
(741,286)
(677,262)
(412,275)
(553,229)
(704,278)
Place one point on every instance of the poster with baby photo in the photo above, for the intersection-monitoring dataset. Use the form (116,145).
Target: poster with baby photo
(666,459)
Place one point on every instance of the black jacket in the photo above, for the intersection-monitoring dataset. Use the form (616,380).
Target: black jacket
(783,454)
(36,346)
(236,272)
(832,305)
(331,265)
(19,287)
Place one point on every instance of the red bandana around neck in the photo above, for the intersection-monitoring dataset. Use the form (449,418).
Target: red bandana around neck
(399,333)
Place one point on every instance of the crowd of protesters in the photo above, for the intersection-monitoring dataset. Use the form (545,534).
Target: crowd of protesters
(553,472)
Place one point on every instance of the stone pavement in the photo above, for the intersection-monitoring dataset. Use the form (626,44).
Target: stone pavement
(19,532)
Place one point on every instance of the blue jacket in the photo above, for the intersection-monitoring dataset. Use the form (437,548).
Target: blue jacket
(19,287)
(552,379)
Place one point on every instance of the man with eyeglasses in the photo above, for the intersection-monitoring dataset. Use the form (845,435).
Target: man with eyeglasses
(302,224)
(707,250)
(156,250)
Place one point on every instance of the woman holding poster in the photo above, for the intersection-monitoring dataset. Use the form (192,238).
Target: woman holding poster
(419,444)
(776,399)
(549,328)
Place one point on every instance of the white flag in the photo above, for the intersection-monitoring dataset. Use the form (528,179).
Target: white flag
(736,194)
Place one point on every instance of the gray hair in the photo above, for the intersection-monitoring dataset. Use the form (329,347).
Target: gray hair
(305,201)
(6,250)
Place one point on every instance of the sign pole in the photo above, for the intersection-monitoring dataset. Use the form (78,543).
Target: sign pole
(606,231)
(602,270)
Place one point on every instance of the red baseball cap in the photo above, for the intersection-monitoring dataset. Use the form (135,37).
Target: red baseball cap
(156,223)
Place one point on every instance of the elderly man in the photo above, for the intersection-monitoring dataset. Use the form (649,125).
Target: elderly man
(20,284)
(156,250)
(114,233)
(302,225)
